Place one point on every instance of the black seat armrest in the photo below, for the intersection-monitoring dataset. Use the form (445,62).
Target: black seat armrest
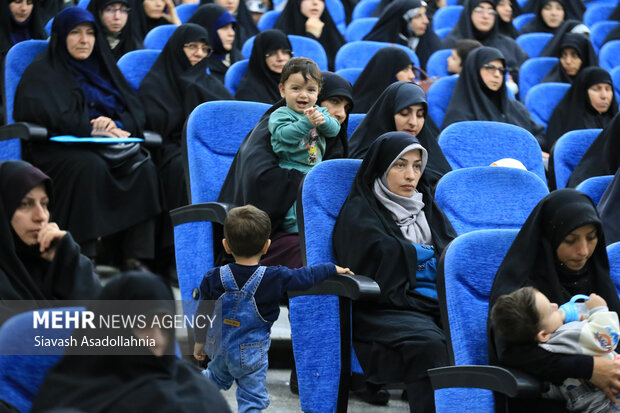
(208,211)
(355,287)
(512,383)
(26,131)
(152,138)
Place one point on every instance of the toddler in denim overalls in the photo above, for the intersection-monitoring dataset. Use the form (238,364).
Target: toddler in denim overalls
(238,341)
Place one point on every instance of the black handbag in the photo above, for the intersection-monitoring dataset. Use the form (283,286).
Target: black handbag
(123,158)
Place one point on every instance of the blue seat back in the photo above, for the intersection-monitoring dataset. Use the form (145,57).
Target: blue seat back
(438,97)
(532,72)
(443,32)
(365,8)
(354,120)
(568,151)
(613,253)
(543,98)
(533,43)
(336,11)
(615,78)
(317,350)
(351,74)
(446,17)
(185,11)
(595,187)
(480,143)
(234,74)
(521,20)
(357,54)
(470,264)
(514,192)
(17,60)
(599,32)
(597,13)
(609,55)
(437,64)
(136,64)
(360,28)
(22,365)
(268,19)
(158,36)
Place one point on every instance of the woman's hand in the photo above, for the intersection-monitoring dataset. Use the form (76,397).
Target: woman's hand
(48,238)
(102,124)
(170,13)
(606,376)
(199,351)
(341,270)
(114,133)
(314,26)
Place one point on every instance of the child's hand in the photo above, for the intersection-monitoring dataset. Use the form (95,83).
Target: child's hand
(199,351)
(341,270)
(314,116)
(595,301)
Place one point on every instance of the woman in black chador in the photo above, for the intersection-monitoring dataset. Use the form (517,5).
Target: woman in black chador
(589,104)
(575,53)
(20,20)
(270,52)
(26,272)
(550,14)
(311,18)
(136,378)
(391,229)
(405,22)
(478,21)
(223,30)
(602,156)
(247,27)
(255,176)
(401,107)
(175,85)
(101,190)
(480,94)
(388,65)
(109,15)
(560,250)
(609,211)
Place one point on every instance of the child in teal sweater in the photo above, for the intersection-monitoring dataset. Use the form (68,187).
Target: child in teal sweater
(298,130)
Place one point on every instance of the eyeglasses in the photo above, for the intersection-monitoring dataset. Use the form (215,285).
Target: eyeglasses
(194,47)
(113,10)
(275,52)
(494,69)
(480,10)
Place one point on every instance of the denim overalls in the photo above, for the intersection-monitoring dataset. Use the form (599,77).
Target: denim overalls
(240,352)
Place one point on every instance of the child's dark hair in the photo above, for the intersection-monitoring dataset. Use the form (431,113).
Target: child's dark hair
(305,66)
(246,230)
(464,46)
(515,317)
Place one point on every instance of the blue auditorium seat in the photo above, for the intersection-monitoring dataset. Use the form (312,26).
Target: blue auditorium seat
(533,43)
(302,47)
(438,97)
(136,64)
(532,72)
(595,187)
(609,55)
(365,8)
(568,151)
(437,64)
(542,99)
(234,74)
(357,54)
(158,36)
(359,28)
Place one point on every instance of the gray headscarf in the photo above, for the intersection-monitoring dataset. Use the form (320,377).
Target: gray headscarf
(407,212)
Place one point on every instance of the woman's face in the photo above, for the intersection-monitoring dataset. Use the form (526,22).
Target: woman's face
(410,119)
(196,51)
(276,59)
(227,36)
(81,41)
(114,17)
(403,176)
(504,10)
(483,17)
(156,333)
(406,75)
(419,22)
(154,8)
(601,96)
(492,74)
(552,14)
(577,247)
(312,8)
(338,107)
(230,5)
(31,215)
(21,9)
(455,64)
(570,61)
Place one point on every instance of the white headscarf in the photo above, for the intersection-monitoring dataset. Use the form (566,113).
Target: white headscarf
(407,212)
